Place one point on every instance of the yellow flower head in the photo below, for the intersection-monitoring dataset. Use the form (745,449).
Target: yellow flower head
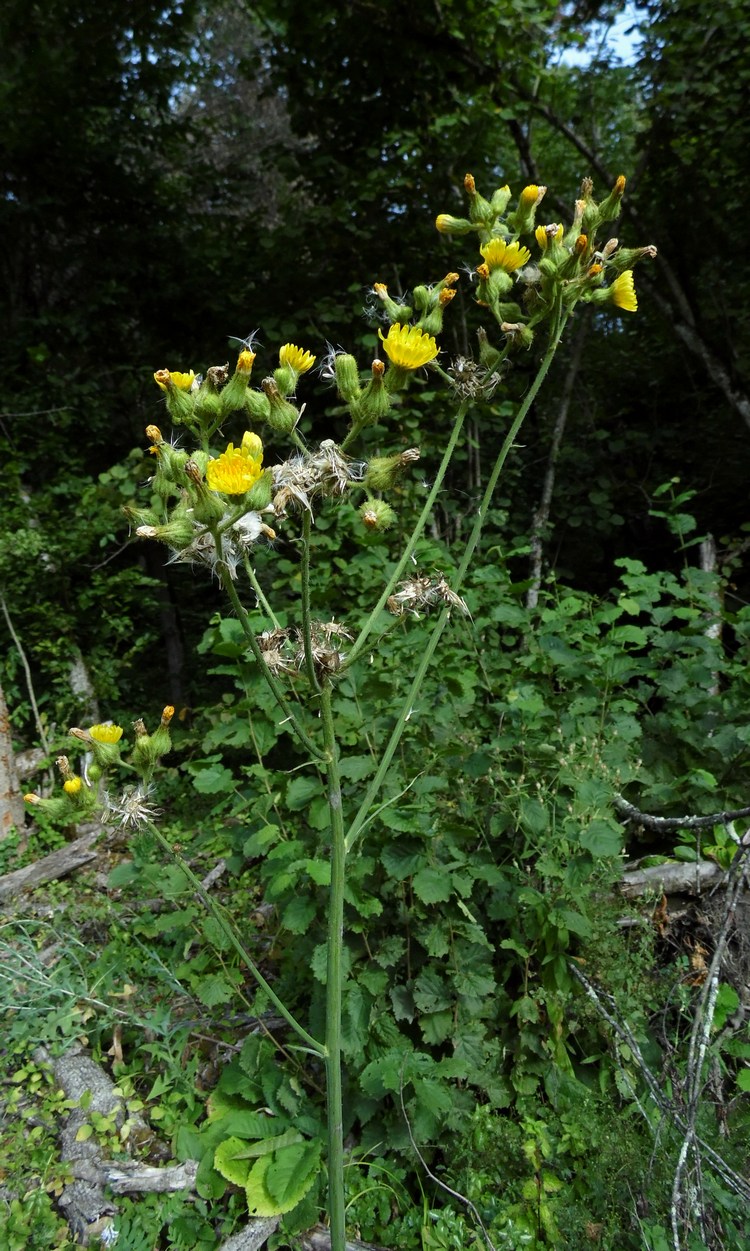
(408,346)
(296,358)
(183,382)
(501,255)
(72,786)
(622,292)
(236,470)
(106,733)
(245,361)
(530,195)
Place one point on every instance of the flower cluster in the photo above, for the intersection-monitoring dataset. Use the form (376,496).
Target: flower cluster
(284,652)
(82,798)
(569,267)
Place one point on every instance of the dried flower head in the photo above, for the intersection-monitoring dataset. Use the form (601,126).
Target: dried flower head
(132,809)
(326,472)
(473,381)
(420,593)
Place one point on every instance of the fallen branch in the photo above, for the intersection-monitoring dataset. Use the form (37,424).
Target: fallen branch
(57,864)
(649,822)
(252,1236)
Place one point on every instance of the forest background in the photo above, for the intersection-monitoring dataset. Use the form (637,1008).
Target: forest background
(178,176)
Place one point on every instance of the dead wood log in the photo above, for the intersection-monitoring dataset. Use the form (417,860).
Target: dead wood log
(673,878)
(57,864)
(251,1236)
(319,1239)
(87,1205)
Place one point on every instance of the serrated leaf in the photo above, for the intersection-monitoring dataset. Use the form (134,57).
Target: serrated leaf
(432,885)
(231,1160)
(214,780)
(301,791)
(214,989)
(276,1183)
(602,838)
(298,914)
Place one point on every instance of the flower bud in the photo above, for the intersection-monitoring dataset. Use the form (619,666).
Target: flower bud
(256,405)
(347,377)
(394,311)
(282,416)
(179,395)
(149,748)
(377,515)
(500,200)
(609,209)
(517,334)
(480,210)
(449,225)
(626,258)
(384,471)
(232,398)
(374,401)
(178,532)
(522,220)
(260,495)
(489,356)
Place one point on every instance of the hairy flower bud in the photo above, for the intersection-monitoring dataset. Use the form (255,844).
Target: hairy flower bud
(384,471)
(282,416)
(377,515)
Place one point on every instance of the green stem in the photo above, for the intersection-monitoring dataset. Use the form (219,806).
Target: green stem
(306,618)
(359,821)
(228,930)
(276,688)
(334,982)
(255,584)
(424,516)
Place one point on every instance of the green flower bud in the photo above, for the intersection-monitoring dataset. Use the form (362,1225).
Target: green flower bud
(480,210)
(377,515)
(261,493)
(282,416)
(103,741)
(285,379)
(149,748)
(257,406)
(232,398)
(375,401)
(207,507)
(609,209)
(384,471)
(449,225)
(347,377)
(499,201)
(178,394)
(395,312)
(489,356)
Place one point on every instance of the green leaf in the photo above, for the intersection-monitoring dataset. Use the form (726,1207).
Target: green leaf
(298,914)
(262,839)
(602,838)
(290,1174)
(214,989)
(214,780)
(301,791)
(743,1079)
(432,885)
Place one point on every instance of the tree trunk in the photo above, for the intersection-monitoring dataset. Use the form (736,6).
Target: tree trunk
(11,800)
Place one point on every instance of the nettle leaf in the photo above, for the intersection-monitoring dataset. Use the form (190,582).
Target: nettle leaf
(400,861)
(432,885)
(436,1026)
(354,768)
(404,1007)
(214,989)
(301,791)
(431,993)
(297,916)
(214,780)
(602,838)
(260,841)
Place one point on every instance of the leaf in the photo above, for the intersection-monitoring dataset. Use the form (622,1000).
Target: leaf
(258,842)
(432,885)
(214,989)
(743,1079)
(602,838)
(290,1175)
(214,780)
(301,790)
(231,1160)
(298,914)
(354,768)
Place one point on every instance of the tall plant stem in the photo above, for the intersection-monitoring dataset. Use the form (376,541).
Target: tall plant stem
(306,618)
(252,578)
(334,979)
(229,931)
(276,688)
(424,517)
(373,789)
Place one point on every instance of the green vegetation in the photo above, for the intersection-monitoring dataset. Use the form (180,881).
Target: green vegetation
(355,940)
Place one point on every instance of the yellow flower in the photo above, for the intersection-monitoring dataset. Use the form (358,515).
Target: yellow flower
(183,382)
(106,733)
(72,786)
(237,469)
(408,346)
(545,235)
(530,195)
(501,255)
(296,358)
(622,292)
